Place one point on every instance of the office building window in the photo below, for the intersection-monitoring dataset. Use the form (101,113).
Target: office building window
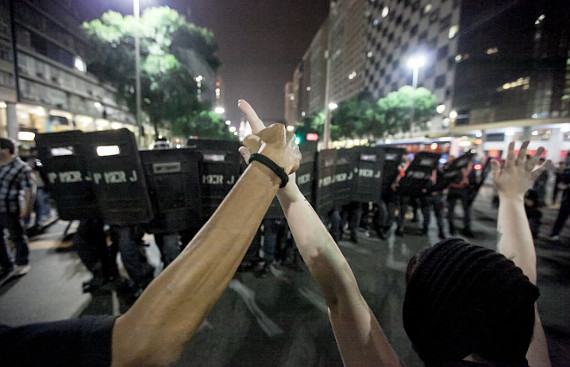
(434,16)
(430,71)
(6,53)
(442,52)
(444,22)
(439,81)
(414,30)
(7,79)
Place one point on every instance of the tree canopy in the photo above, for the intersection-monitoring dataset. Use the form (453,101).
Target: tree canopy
(168,87)
(204,125)
(364,117)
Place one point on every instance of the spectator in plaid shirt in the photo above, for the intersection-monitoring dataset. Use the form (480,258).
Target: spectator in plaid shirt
(17,190)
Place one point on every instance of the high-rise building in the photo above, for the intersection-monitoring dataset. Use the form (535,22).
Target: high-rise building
(491,64)
(290,105)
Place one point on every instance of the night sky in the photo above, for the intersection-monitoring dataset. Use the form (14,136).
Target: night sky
(261,42)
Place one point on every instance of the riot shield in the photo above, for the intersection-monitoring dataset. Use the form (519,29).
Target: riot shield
(173,179)
(324,187)
(118,177)
(304,177)
(418,173)
(220,168)
(306,172)
(69,180)
(345,172)
(390,168)
(453,171)
(368,175)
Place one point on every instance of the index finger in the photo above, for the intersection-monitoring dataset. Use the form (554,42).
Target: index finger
(510,155)
(254,120)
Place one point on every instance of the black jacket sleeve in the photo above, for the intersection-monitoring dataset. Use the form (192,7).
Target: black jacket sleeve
(76,342)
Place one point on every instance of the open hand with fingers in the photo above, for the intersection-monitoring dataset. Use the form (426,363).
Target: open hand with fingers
(519,172)
(274,142)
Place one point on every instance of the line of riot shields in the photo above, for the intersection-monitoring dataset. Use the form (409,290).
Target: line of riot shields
(104,175)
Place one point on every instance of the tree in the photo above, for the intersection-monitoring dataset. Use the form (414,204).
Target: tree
(363,116)
(168,89)
(204,125)
(396,111)
(353,118)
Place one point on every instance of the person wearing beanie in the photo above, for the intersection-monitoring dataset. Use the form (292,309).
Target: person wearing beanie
(463,299)
(478,305)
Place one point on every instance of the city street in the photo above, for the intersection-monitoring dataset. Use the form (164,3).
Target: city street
(281,319)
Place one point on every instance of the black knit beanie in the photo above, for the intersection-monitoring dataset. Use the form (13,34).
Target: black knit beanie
(463,299)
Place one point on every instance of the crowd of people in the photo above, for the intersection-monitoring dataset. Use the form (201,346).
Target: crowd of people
(464,305)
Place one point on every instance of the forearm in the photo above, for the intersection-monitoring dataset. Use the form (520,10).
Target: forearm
(322,256)
(514,237)
(359,336)
(156,328)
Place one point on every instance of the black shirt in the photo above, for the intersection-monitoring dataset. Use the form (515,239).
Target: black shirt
(76,342)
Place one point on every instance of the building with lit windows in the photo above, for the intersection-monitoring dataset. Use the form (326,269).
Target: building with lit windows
(50,89)
(498,69)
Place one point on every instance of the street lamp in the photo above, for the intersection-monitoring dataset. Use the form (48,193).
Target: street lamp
(415,63)
(136,12)
(328,56)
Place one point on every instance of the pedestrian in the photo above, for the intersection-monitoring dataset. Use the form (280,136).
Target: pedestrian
(433,199)
(539,185)
(558,184)
(564,211)
(90,242)
(533,212)
(42,208)
(17,191)
(168,243)
(463,302)
(462,191)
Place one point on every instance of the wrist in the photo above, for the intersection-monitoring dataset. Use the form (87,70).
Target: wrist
(290,192)
(505,196)
(262,171)
(274,167)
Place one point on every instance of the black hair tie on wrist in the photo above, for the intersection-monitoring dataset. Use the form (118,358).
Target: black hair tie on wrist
(279,171)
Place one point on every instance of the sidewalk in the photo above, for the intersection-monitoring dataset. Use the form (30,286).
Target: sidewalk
(52,289)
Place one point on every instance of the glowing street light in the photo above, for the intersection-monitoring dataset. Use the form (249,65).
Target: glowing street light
(415,63)
(219,110)
(333,106)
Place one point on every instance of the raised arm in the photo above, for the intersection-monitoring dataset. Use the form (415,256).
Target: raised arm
(514,237)
(359,336)
(155,330)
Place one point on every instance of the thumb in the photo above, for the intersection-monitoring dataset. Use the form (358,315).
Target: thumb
(245,153)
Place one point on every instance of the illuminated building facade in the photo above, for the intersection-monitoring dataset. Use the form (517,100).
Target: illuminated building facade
(50,90)
(491,64)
